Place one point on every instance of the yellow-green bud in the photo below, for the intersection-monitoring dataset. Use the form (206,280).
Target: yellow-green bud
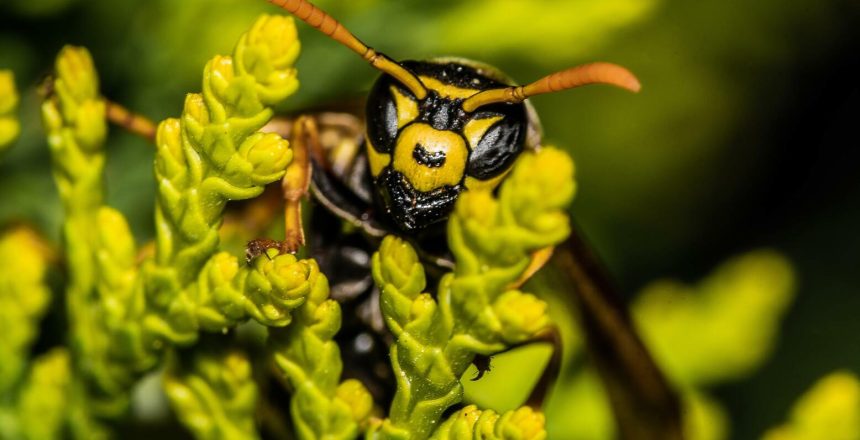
(356,396)
(521,315)
(9,125)
(75,68)
(8,93)
(224,268)
(523,424)
(219,75)
(478,206)
(267,52)
(267,153)
(276,38)
(400,267)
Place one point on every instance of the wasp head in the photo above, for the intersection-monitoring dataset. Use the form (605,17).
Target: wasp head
(424,152)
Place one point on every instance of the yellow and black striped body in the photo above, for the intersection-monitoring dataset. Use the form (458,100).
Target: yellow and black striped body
(423,153)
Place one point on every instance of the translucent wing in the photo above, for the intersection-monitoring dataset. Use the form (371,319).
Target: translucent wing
(644,403)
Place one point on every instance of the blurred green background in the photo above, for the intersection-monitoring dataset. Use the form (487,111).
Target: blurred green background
(745,134)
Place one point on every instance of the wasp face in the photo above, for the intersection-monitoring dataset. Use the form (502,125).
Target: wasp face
(423,153)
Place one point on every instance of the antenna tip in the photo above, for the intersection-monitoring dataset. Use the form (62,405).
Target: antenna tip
(623,78)
(634,85)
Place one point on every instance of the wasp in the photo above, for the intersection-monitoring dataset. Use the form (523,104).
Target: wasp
(431,130)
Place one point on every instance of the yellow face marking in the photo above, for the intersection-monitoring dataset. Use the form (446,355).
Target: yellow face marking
(473,183)
(434,142)
(407,109)
(378,161)
(446,90)
(475,129)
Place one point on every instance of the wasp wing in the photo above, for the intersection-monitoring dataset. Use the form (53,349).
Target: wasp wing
(644,403)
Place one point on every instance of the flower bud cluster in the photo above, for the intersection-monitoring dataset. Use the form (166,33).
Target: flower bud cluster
(478,309)
(470,423)
(309,358)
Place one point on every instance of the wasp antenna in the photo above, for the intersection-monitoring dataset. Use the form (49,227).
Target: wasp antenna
(321,21)
(594,73)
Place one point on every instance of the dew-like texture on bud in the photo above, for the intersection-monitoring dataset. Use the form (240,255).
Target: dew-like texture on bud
(475,311)
(470,423)
(306,354)
(211,154)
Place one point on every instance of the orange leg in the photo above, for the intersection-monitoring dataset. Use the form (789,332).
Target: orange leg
(132,122)
(305,143)
(539,258)
(296,181)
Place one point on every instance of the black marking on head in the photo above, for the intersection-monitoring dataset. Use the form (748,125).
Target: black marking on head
(442,113)
(433,160)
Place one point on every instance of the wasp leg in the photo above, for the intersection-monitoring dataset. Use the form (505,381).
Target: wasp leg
(131,122)
(305,138)
(539,258)
(304,141)
(645,404)
(552,369)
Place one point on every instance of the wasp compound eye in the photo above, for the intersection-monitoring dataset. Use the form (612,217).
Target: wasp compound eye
(496,148)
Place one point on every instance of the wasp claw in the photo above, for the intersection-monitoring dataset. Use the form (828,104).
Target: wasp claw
(292,242)
(482,363)
(258,247)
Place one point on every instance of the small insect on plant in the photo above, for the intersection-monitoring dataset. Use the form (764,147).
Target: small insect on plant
(433,129)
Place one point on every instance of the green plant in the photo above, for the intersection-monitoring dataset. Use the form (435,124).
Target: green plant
(124,316)
(131,310)
(830,409)
(28,402)
(9,125)
(476,311)
(716,331)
